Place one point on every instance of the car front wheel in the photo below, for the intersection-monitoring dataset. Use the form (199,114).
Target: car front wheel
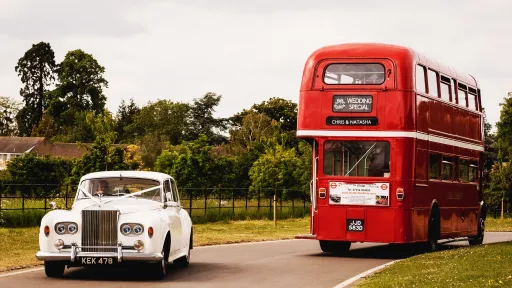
(54,269)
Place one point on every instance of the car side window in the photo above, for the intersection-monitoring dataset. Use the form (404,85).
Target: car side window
(175,194)
(167,191)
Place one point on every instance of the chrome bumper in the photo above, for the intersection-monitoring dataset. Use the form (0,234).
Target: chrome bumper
(74,253)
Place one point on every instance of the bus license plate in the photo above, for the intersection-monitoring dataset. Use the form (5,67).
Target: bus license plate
(355,225)
(97,260)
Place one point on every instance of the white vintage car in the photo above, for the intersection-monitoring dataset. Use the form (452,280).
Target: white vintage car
(118,216)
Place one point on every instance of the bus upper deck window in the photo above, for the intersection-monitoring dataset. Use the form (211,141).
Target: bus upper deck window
(355,74)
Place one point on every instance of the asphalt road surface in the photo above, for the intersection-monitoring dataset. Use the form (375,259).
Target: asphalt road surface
(294,263)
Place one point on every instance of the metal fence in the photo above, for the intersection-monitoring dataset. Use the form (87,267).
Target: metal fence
(197,201)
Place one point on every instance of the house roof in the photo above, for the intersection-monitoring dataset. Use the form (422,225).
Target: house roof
(10,144)
(63,150)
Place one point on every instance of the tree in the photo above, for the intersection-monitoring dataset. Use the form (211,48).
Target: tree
(501,178)
(50,173)
(203,122)
(37,71)
(125,120)
(504,125)
(8,110)
(278,109)
(255,127)
(103,156)
(80,88)
(275,169)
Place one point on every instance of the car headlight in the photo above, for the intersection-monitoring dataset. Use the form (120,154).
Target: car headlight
(66,228)
(72,228)
(137,229)
(132,229)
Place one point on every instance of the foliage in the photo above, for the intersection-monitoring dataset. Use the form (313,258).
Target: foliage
(50,173)
(278,109)
(36,69)
(103,156)
(193,165)
(204,123)
(277,168)
(8,110)
(80,89)
(125,121)
(504,125)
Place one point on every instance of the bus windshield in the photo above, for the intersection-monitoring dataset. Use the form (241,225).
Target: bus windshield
(356,158)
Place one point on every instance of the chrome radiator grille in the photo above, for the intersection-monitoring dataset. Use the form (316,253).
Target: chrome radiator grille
(99,229)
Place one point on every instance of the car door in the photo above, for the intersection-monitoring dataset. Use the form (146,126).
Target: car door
(183,215)
(173,211)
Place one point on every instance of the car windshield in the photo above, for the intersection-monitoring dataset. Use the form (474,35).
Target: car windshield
(117,187)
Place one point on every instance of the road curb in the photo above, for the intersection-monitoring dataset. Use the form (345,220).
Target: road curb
(364,274)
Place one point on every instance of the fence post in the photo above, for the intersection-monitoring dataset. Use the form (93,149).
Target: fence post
(220,199)
(259,191)
(205,201)
(275,212)
(45,203)
(233,203)
(190,205)
(246,199)
(66,195)
(22,202)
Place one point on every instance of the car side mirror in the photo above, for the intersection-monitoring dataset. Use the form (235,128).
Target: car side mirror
(53,205)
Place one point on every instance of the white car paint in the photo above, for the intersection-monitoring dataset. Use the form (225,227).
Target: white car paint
(165,217)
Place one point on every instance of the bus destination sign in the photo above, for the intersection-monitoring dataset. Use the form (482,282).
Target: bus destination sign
(352,103)
(352,121)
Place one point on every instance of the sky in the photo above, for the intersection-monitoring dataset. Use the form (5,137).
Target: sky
(249,51)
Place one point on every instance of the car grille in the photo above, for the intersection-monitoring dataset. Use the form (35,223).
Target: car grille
(99,229)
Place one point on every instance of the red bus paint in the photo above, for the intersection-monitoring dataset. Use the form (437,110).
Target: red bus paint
(398,142)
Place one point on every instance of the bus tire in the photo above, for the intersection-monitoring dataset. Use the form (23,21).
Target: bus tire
(479,239)
(336,247)
(434,229)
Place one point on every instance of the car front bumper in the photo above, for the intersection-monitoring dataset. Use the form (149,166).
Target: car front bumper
(74,253)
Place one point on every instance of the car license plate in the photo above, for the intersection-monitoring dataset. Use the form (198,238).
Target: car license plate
(355,225)
(98,260)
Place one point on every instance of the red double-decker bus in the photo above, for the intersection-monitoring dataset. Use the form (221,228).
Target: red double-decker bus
(397,147)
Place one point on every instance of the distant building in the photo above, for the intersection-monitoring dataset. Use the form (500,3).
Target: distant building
(12,147)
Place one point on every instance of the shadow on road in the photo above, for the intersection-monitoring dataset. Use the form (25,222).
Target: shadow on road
(389,251)
(135,273)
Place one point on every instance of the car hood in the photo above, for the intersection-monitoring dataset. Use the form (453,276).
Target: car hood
(125,206)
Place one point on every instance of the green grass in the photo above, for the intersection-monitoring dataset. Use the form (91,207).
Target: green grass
(478,266)
(498,225)
(20,244)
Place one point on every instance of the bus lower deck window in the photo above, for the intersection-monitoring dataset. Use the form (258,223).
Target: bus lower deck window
(356,158)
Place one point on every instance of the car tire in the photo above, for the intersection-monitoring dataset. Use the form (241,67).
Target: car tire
(160,268)
(54,269)
(183,261)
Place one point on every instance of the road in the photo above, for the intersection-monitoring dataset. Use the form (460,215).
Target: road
(293,263)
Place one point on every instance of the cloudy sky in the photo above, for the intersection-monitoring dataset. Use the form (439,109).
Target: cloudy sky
(249,51)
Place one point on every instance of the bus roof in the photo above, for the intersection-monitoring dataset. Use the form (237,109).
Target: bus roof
(399,54)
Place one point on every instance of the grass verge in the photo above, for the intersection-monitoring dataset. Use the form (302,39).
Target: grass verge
(498,225)
(478,266)
(21,244)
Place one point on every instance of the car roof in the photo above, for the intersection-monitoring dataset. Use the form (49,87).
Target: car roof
(128,174)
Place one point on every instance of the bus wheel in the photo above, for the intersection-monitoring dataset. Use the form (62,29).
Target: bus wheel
(479,239)
(337,247)
(433,233)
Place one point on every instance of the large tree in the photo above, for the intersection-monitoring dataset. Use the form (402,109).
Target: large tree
(125,120)
(278,109)
(8,110)
(37,71)
(203,122)
(80,88)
